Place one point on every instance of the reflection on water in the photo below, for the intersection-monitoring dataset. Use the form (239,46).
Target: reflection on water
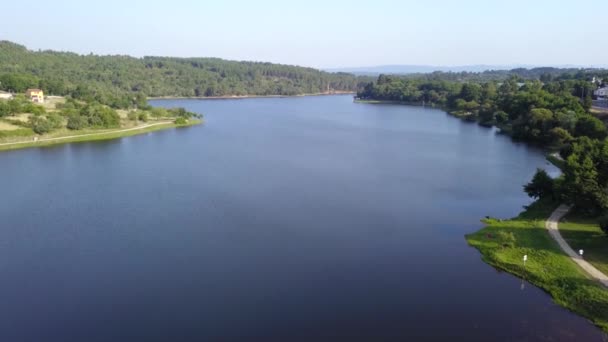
(279,219)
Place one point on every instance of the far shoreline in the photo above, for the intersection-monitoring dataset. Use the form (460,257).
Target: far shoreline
(93,135)
(242,97)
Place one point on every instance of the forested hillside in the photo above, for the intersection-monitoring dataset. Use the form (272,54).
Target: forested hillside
(115,80)
(544,74)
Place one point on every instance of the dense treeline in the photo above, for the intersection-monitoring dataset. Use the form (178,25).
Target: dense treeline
(551,113)
(122,81)
(544,74)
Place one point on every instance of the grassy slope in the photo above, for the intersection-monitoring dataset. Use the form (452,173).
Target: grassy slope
(102,135)
(547,266)
(584,233)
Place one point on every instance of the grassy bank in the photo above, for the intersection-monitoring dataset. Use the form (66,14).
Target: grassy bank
(504,243)
(93,135)
(584,233)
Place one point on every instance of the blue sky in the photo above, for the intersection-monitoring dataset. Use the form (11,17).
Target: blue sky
(321,33)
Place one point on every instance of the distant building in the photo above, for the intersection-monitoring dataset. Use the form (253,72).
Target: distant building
(601,93)
(36,95)
(5,96)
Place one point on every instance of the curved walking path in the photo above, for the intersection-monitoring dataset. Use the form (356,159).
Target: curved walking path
(86,135)
(552,225)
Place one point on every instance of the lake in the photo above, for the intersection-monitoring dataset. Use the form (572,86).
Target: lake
(280,219)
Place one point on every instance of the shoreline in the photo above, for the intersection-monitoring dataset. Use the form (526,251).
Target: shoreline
(403,103)
(240,97)
(503,243)
(552,225)
(95,136)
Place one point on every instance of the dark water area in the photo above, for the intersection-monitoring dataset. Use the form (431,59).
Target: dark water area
(287,219)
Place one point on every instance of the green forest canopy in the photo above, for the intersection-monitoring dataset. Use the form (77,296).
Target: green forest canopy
(115,80)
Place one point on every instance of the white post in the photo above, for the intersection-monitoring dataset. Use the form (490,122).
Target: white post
(580,252)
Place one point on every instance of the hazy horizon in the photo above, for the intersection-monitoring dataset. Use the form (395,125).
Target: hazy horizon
(343,34)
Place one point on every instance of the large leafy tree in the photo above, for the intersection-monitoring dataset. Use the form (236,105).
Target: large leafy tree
(586,175)
(541,185)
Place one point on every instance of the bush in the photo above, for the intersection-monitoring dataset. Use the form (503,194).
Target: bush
(55,120)
(100,116)
(132,115)
(143,116)
(506,239)
(158,112)
(40,125)
(33,109)
(180,121)
(77,121)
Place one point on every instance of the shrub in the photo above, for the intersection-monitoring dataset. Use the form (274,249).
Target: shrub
(158,112)
(180,121)
(77,121)
(143,116)
(506,239)
(100,116)
(55,120)
(40,124)
(132,115)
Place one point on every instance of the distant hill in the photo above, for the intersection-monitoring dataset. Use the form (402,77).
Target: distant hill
(424,69)
(115,79)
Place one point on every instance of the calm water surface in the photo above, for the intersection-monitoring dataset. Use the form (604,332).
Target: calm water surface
(297,219)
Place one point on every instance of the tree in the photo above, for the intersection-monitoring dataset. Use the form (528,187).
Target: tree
(591,127)
(585,176)
(489,92)
(40,125)
(158,112)
(566,119)
(470,92)
(18,82)
(55,121)
(143,116)
(180,121)
(560,136)
(501,117)
(541,186)
(76,122)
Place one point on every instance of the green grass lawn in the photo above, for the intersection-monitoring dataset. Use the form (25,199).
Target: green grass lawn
(585,234)
(504,243)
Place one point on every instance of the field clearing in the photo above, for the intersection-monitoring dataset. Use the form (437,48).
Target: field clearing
(50,102)
(5,126)
(24,117)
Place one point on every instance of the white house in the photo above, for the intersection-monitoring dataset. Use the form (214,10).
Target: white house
(601,93)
